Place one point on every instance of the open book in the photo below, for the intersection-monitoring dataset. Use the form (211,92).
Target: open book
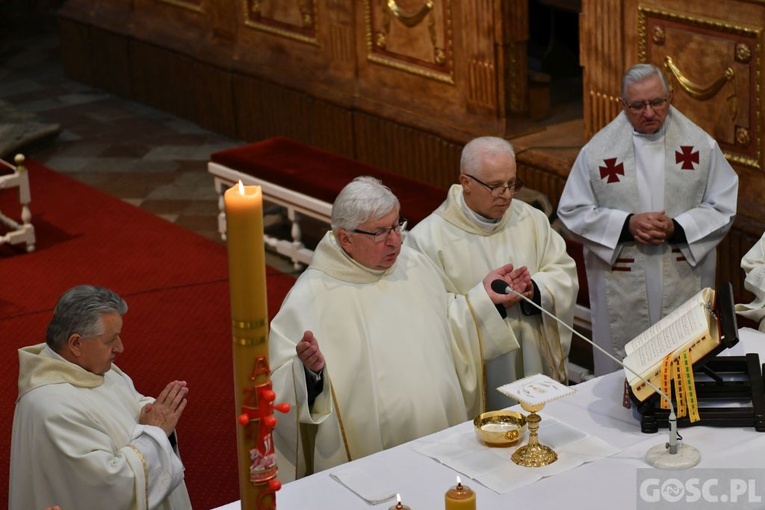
(691,326)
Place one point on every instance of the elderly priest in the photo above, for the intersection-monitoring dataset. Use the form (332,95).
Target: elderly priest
(369,347)
(479,226)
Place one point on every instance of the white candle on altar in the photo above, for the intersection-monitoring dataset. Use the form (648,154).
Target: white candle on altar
(246,253)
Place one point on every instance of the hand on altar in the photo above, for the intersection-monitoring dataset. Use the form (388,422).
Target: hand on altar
(651,228)
(309,354)
(167,409)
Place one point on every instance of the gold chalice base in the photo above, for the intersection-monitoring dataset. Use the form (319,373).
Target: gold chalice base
(534,455)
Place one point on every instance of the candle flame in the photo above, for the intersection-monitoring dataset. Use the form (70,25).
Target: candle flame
(241,187)
(398,498)
(458,480)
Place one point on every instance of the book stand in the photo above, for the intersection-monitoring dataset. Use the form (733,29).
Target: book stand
(730,389)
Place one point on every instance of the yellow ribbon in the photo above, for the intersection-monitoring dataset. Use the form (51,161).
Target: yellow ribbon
(689,386)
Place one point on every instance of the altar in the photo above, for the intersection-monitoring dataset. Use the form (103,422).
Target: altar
(612,482)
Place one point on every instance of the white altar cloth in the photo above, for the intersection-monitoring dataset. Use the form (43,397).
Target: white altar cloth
(611,483)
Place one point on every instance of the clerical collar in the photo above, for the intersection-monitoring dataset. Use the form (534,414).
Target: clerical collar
(485,224)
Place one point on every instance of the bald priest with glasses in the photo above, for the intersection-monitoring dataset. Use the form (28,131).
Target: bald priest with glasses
(370,348)
(650,196)
(480,226)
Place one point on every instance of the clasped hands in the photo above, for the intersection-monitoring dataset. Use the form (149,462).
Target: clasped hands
(167,409)
(651,228)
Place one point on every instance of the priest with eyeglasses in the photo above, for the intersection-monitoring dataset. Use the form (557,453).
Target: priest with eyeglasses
(650,196)
(479,226)
(369,347)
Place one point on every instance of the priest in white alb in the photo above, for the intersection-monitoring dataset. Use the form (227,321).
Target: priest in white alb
(480,226)
(83,437)
(650,197)
(369,348)
(753,265)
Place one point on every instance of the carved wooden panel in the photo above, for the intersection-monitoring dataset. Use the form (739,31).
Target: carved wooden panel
(601,53)
(713,67)
(294,19)
(411,35)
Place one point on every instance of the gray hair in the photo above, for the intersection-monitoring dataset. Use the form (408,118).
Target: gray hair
(79,311)
(477,148)
(640,72)
(363,199)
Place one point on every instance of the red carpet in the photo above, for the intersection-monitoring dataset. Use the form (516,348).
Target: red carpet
(177,326)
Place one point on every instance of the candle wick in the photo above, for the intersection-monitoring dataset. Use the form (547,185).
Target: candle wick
(459,486)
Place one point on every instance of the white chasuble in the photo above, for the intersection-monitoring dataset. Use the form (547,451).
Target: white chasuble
(465,253)
(77,442)
(753,265)
(402,357)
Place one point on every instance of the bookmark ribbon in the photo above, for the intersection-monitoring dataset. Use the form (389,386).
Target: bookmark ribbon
(689,386)
(680,372)
(666,379)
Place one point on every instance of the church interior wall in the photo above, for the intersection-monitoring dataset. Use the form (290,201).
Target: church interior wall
(405,93)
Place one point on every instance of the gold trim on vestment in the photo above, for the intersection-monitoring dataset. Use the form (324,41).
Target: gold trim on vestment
(340,422)
(145,472)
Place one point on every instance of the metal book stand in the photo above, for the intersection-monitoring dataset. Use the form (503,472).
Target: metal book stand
(730,389)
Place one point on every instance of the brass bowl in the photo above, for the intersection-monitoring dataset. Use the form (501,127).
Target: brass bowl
(500,428)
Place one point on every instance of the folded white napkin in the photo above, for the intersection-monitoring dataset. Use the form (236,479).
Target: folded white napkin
(364,486)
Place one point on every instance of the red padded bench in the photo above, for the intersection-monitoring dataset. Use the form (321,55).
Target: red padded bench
(306,180)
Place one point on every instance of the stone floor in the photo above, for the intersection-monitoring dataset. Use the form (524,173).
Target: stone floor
(143,156)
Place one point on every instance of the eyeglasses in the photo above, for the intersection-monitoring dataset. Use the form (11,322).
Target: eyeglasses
(498,191)
(640,106)
(383,234)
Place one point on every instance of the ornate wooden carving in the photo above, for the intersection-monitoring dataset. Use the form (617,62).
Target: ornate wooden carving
(295,19)
(714,67)
(601,53)
(411,35)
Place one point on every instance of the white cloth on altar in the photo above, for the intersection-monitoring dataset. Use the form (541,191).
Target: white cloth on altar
(523,237)
(594,206)
(492,466)
(402,356)
(77,442)
(753,265)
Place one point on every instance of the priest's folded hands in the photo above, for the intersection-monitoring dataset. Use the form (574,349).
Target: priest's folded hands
(167,409)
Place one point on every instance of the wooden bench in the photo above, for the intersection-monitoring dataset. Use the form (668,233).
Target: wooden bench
(305,181)
(15,176)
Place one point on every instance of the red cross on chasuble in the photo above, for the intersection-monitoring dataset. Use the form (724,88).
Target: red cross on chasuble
(687,157)
(611,170)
